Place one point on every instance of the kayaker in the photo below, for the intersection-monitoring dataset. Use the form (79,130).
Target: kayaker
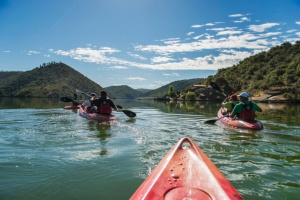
(87,105)
(231,103)
(104,104)
(75,101)
(245,110)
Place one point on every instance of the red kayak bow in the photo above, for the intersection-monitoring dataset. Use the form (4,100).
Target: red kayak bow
(186,173)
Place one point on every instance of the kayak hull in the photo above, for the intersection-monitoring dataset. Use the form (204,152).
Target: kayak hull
(95,116)
(186,173)
(256,125)
(72,107)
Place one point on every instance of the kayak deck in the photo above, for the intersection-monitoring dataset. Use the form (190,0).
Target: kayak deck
(256,125)
(186,173)
(95,116)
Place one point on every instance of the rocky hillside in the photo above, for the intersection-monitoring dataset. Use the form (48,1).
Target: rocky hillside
(276,71)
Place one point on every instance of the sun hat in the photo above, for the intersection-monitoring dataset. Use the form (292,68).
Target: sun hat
(244,94)
(234,97)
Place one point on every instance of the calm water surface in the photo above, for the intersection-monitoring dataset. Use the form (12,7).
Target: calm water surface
(50,153)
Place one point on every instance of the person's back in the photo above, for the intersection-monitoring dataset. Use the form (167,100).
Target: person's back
(245,110)
(87,105)
(104,105)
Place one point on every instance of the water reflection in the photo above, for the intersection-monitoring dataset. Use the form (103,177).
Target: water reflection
(101,129)
(278,113)
(18,102)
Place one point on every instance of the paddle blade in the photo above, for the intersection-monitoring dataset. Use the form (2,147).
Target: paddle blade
(120,107)
(81,92)
(215,86)
(210,121)
(66,99)
(129,113)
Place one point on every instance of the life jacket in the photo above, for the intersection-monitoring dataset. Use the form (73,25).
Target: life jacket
(247,113)
(104,107)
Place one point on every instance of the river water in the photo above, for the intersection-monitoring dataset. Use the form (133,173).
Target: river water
(47,152)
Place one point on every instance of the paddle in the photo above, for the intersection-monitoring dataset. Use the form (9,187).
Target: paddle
(66,99)
(81,92)
(212,121)
(128,113)
(272,95)
(216,87)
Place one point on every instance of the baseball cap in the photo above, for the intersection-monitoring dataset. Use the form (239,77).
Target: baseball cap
(244,94)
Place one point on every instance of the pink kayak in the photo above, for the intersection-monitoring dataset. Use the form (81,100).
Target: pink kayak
(95,116)
(186,173)
(72,107)
(256,125)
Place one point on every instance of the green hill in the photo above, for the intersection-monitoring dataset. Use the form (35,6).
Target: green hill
(142,90)
(123,92)
(49,80)
(271,72)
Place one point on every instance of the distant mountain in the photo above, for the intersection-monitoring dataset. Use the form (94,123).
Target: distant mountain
(49,80)
(177,85)
(143,91)
(123,92)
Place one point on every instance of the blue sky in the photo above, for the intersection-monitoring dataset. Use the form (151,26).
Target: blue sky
(142,43)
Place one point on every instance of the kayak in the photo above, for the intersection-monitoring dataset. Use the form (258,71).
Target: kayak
(256,125)
(186,173)
(72,107)
(95,116)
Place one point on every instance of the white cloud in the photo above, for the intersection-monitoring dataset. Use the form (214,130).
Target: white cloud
(236,15)
(159,59)
(245,19)
(33,53)
(196,26)
(6,51)
(291,31)
(172,74)
(136,78)
(262,27)
(92,55)
(207,24)
(229,32)
(119,67)
(137,56)
(212,48)
(298,23)
(171,40)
